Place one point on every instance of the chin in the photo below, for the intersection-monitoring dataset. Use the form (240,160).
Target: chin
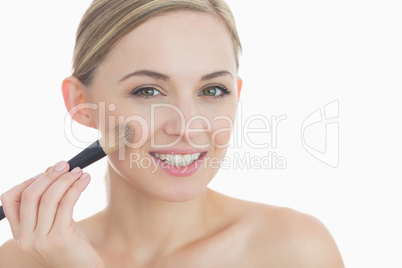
(174,189)
(179,193)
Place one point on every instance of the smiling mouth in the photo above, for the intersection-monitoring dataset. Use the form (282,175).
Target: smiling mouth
(178,160)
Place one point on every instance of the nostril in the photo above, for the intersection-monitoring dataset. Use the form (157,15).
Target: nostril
(173,127)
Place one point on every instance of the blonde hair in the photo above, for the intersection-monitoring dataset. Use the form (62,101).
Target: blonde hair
(108,21)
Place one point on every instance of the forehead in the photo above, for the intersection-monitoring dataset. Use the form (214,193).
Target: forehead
(175,42)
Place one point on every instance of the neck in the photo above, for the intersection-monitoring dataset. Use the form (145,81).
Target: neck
(136,220)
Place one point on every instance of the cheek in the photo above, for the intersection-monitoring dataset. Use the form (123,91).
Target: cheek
(125,114)
(221,131)
(222,127)
(141,126)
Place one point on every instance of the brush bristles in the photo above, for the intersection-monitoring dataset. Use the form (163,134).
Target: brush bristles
(116,138)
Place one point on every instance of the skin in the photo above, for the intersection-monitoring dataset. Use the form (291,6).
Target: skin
(154,219)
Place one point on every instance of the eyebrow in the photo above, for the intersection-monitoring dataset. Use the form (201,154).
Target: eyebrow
(163,77)
(152,74)
(215,75)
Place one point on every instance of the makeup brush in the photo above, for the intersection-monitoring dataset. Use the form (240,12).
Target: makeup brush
(111,142)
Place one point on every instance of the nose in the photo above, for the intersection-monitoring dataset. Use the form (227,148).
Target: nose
(186,120)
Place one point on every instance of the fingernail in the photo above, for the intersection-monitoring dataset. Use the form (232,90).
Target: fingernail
(84,176)
(76,170)
(60,166)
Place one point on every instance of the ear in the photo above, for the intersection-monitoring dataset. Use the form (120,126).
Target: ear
(74,95)
(239,86)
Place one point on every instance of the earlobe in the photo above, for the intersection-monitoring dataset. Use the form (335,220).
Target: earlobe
(76,104)
(239,86)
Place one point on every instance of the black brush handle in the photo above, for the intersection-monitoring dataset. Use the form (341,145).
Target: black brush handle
(91,154)
(2,216)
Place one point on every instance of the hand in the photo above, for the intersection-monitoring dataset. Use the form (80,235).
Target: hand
(40,214)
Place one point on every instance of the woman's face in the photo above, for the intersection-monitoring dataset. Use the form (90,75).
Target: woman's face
(174,79)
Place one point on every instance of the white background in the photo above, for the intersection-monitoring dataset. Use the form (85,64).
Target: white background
(298,57)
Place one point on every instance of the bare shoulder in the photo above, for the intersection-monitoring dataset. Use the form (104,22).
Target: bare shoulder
(288,238)
(279,237)
(12,256)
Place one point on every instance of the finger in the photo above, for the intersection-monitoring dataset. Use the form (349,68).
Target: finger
(65,210)
(11,201)
(32,195)
(51,198)
(48,169)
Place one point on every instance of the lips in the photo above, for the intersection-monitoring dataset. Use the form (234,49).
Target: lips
(179,162)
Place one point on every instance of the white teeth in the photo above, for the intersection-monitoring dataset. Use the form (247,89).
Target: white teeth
(187,158)
(178,160)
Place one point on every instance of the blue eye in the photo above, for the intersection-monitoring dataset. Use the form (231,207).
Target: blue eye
(146,92)
(215,91)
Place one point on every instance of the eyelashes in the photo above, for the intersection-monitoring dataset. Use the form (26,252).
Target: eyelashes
(215,91)
(210,91)
(146,92)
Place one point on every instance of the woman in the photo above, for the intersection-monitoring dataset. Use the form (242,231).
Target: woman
(169,68)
